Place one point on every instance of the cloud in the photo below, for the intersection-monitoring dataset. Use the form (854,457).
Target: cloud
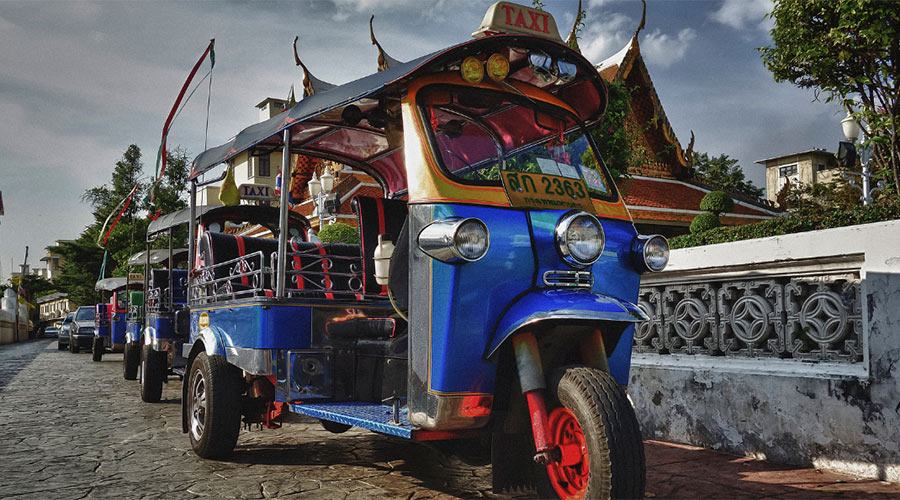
(664,50)
(740,14)
(599,40)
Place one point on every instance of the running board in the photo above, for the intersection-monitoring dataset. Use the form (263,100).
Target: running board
(374,417)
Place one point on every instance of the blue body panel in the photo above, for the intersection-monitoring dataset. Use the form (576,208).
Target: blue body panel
(466,299)
(103,331)
(265,325)
(375,417)
(476,305)
(162,326)
(117,328)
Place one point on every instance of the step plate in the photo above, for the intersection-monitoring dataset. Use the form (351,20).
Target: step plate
(372,416)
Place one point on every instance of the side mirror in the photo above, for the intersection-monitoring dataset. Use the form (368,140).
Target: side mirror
(846,154)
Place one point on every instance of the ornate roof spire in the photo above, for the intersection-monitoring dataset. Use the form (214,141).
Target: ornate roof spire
(384,61)
(311,84)
(572,39)
(643,18)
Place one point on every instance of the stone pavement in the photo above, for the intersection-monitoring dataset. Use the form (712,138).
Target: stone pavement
(71,428)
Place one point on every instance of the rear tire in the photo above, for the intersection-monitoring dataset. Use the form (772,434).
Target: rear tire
(73,346)
(131,360)
(60,346)
(97,349)
(152,374)
(213,406)
(596,418)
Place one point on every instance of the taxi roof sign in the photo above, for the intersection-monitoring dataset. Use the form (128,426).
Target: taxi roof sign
(508,17)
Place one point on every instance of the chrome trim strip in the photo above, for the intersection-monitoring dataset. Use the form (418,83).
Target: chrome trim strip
(253,361)
(568,279)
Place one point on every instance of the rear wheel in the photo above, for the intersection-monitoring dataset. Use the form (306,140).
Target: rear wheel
(97,349)
(132,358)
(152,374)
(601,450)
(213,406)
(60,346)
(73,346)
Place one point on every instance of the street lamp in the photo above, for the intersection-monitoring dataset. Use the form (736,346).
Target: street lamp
(851,130)
(320,192)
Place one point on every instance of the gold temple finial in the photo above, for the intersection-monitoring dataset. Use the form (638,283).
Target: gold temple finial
(643,17)
(572,39)
(384,61)
(311,84)
(689,153)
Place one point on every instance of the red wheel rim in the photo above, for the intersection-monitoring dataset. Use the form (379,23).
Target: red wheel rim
(569,476)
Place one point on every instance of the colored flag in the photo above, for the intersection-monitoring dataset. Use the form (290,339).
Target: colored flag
(228,193)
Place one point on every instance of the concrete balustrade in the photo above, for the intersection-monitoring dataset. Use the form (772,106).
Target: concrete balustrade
(785,348)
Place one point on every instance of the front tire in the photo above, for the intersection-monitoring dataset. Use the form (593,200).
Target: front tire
(152,374)
(73,346)
(97,349)
(132,358)
(600,439)
(213,406)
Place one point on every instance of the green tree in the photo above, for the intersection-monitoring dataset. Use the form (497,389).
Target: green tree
(616,141)
(79,268)
(849,50)
(723,172)
(34,286)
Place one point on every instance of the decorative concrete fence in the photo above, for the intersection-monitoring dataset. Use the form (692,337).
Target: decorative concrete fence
(785,348)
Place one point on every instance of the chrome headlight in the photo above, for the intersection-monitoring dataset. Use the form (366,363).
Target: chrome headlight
(579,238)
(455,239)
(651,253)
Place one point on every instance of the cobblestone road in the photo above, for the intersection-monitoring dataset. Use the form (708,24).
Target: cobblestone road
(72,428)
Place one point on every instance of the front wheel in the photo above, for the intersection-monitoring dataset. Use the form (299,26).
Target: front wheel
(97,349)
(132,358)
(152,374)
(214,406)
(600,447)
(73,346)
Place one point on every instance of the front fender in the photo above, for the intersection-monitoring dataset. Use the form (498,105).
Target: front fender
(149,335)
(561,304)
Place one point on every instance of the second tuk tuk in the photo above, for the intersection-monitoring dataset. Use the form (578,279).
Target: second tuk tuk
(491,298)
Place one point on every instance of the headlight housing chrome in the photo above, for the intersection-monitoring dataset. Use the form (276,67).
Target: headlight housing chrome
(455,239)
(579,238)
(651,253)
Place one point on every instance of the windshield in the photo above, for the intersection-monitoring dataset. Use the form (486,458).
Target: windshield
(85,314)
(478,133)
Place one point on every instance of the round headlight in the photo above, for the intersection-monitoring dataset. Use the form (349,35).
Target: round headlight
(471,239)
(579,238)
(656,253)
(650,253)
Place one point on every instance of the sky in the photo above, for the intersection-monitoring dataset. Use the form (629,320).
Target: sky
(82,80)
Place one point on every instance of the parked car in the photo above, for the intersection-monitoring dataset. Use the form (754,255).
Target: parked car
(51,331)
(62,339)
(81,333)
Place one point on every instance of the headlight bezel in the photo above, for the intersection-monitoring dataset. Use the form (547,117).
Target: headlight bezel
(562,243)
(439,239)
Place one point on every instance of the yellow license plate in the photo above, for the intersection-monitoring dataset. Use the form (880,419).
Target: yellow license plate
(548,192)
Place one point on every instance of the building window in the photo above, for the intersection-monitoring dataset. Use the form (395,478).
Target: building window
(262,169)
(821,166)
(787,170)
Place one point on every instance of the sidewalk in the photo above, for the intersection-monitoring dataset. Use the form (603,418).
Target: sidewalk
(682,471)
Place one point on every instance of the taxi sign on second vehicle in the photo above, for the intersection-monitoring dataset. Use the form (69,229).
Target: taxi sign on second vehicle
(256,192)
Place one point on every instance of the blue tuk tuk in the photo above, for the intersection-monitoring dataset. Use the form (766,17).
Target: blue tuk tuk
(110,317)
(491,299)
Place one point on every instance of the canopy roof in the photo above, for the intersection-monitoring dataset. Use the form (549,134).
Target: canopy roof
(167,221)
(157,256)
(319,129)
(111,284)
